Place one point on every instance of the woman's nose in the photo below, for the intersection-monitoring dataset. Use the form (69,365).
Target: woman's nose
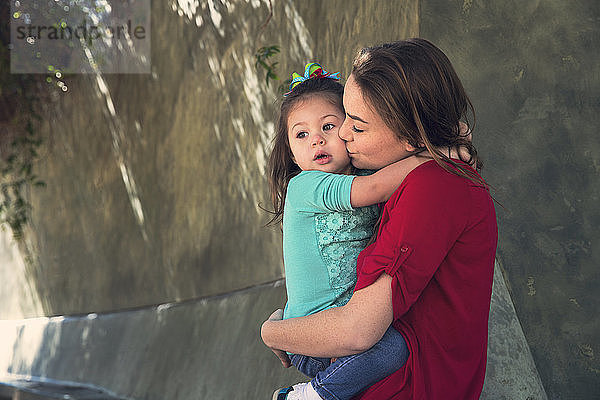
(318,139)
(345,133)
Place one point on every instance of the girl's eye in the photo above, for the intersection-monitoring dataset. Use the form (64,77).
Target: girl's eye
(328,126)
(301,134)
(355,129)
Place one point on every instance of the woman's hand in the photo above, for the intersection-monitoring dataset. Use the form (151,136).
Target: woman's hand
(282,355)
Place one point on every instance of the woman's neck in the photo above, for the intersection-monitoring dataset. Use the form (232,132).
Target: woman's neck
(460,153)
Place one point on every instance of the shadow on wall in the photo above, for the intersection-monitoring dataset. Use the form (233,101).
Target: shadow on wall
(153,181)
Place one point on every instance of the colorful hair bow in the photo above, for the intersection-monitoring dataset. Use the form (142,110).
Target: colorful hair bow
(312,70)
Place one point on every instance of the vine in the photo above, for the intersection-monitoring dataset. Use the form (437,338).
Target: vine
(262,60)
(263,55)
(17,173)
(19,138)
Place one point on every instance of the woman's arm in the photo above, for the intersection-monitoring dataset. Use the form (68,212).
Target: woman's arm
(282,355)
(338,331)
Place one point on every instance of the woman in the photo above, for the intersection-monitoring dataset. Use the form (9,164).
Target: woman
(429,271)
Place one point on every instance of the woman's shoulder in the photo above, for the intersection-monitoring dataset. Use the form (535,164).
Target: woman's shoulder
(431,181)
(436,175)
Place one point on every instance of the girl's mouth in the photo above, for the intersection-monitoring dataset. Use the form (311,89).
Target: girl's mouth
(322,158)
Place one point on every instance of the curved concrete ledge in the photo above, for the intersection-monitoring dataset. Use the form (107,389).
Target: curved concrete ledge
(31,388)
(511,372)
(211,349)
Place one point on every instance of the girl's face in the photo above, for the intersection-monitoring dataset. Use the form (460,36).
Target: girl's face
(313,126)
(369,141)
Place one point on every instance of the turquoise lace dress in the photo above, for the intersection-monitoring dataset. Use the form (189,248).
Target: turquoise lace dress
(322,237)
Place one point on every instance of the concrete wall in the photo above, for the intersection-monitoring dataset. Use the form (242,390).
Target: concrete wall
(156,202)
(531,68)
(154,181)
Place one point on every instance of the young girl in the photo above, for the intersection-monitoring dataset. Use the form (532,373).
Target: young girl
(328,210)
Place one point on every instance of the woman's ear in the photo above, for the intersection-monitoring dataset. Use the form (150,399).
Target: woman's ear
(465,131)
(410,148)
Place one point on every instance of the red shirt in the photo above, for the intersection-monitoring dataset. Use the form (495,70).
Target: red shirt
(437,240)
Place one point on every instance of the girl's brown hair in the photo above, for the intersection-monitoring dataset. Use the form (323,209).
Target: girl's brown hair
(281,166)
(412,85)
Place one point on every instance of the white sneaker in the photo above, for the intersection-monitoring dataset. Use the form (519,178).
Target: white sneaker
(300,391)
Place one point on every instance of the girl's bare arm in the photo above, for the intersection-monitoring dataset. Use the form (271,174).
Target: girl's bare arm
(378,187)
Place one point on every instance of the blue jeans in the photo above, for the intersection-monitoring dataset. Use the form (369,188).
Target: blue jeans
(350,375)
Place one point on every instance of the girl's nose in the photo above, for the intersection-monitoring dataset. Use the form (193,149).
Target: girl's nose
(318,139)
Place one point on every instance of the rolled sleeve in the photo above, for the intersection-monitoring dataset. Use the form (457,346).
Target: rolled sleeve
(415,235)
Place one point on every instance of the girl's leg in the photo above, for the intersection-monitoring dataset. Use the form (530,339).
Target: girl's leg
(350,375)
(309,366)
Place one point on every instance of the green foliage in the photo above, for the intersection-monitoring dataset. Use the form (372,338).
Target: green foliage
(262,56)
(16,174)
(20,95)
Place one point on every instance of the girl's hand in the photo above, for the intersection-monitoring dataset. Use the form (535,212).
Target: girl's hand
(277,315)
(282,355)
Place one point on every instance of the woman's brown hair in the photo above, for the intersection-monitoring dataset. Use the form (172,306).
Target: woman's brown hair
(412,85)
(281,166)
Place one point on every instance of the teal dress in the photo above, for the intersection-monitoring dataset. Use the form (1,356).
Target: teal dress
(322,237)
